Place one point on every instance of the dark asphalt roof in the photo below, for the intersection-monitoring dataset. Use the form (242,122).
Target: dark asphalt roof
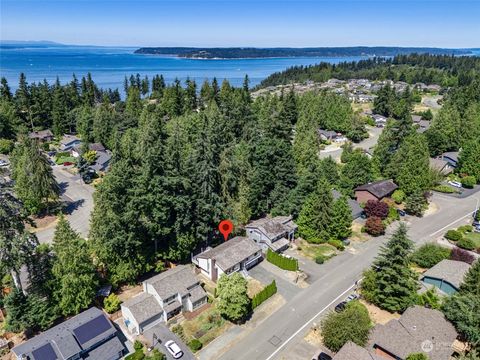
(379,189)
(354,205)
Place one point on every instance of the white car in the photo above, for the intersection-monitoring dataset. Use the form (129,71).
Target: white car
(351,297)
(174,349)
(455,184)
(3,163)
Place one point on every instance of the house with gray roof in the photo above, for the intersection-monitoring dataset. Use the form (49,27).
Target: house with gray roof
(354,205)
(164,296)
(451,157)
(272,233)
(237,254)
(446,276)
(380,120)
(42,135)
(376,190)
(418,330)
(327,135)
(88,335)
(102,162)
(442,166)
(69,142)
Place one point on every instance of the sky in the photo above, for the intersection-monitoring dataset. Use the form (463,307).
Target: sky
(261,23)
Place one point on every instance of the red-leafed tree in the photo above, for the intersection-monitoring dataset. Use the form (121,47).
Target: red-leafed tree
(376,208)
(374,226)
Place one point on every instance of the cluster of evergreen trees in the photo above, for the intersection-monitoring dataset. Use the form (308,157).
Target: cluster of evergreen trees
(445,70)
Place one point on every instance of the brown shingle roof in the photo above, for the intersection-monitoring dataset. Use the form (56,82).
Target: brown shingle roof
(418,330)
(379,189)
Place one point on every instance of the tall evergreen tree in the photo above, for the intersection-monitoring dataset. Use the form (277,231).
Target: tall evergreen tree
(316,214)
(73,271)
(394,283)
(341,221)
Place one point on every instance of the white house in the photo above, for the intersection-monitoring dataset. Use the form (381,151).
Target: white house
(274,233)
(237,254)
(164,296)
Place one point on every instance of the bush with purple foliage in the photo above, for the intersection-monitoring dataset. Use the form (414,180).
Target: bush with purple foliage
(376,208)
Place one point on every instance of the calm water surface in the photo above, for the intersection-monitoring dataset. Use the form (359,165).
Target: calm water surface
(110,65)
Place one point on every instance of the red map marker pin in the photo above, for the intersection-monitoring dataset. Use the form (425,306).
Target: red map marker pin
(225,228)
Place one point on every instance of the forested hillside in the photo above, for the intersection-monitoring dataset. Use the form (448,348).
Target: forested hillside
(445,70)
(185,158)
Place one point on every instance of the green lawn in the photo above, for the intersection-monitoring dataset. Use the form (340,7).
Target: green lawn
(475,237)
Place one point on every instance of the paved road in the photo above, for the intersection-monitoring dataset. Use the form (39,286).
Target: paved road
(278,335)
(80,197)
(366,144)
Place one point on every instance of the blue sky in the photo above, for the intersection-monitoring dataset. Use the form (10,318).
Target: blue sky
(453,23)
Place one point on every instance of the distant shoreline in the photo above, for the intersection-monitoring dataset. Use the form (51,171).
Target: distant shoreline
(272,53)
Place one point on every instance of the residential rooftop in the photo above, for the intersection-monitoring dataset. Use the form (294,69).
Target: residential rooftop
(451,271)
(379,189)
(231,252)
(174,281)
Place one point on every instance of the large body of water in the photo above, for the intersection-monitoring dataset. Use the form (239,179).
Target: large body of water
(109,66)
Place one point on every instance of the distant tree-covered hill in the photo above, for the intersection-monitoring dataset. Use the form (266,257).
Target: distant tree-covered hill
(237,53)
(446,70)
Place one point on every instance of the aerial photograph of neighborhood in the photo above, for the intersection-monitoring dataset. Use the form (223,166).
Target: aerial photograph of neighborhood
(239,179)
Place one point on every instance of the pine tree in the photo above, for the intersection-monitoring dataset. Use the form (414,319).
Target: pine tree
(315,216)
(341,222)
(73,271)
(471,281)
(410,166)
(395,284)
(469,159)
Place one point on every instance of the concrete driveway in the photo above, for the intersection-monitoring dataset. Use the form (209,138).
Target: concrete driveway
(79,197)
(262,273)
(164,334)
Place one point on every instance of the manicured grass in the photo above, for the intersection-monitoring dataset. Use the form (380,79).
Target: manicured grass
(475,237)
(205,327)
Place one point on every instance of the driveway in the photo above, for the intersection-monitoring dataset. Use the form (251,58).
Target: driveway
(371,141)
(79,198)
(262,273)
(163,335)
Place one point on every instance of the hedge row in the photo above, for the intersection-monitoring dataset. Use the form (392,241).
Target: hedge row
(281,261)
(263,295)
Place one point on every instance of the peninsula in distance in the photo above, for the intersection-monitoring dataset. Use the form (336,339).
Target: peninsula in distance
(251,52)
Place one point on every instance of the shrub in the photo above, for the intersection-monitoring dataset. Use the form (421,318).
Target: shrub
(417,356)
(374,226)
(429,299)
(416,204)
(445,189)
(398,196)
(263,295)
(453,235)
(461,255)
(393,214)
(282,261)
(111,303)
(376,208)
(477,215)
(468,181)
(466,243)
(178,330)
(352,324)
(6,146)
(137,345)
(465,229)
(195,345)
(337,244)
(320,259)
(429,255)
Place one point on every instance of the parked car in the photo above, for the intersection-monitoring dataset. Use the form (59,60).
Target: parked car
(351,297)
(174,349)
(455,184)
(346,242)
(3,163)
(401,212)
(320,355)
(340,306)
